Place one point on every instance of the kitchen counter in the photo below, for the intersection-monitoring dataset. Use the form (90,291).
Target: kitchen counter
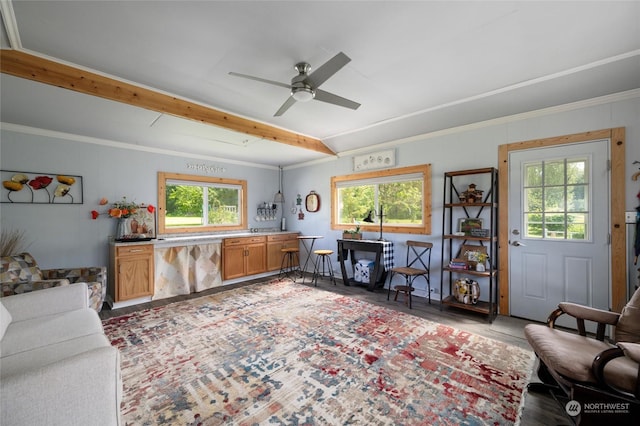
(178,240)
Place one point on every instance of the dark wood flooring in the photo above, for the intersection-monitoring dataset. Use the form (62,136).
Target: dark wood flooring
(539,409)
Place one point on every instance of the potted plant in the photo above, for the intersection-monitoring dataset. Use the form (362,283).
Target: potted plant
(352,234)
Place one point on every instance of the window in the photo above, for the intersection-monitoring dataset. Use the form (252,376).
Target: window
(556,199)
(404,195)
(189,203)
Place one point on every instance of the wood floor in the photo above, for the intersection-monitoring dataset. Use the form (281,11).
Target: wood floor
(539,409)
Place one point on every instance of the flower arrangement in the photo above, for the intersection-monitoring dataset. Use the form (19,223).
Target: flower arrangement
(121,209)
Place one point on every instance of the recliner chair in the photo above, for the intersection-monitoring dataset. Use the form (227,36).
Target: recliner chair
(591,369)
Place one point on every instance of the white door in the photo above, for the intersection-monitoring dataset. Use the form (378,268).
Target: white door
(558,228)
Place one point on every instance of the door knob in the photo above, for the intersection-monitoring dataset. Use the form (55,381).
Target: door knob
(518,244)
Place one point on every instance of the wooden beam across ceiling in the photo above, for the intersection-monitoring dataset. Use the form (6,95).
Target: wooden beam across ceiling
(24,65)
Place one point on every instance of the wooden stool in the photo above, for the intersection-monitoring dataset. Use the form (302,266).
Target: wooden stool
(289,266)
(406,290)
(324,257)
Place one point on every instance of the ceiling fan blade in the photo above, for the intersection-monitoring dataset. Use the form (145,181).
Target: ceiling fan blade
(263,80)
(285,106)
(323,96)
(329,68)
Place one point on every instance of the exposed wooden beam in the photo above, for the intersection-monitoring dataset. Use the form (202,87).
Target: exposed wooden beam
(46,71)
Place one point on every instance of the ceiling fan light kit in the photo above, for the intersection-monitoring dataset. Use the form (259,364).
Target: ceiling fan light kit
(302,94)
(304,86)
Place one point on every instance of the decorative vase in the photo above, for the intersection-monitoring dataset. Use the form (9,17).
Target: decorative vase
(480,267)
(122,229)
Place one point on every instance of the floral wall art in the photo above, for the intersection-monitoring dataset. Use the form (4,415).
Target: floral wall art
(40,188)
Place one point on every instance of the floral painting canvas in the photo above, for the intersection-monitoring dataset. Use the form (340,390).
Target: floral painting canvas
(40,188)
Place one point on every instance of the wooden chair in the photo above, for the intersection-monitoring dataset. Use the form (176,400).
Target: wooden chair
(418,255)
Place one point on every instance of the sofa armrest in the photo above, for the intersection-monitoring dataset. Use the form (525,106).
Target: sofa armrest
(589,313)
(83,389)
(585,313)
(74,275)
(20,287)
(49,301)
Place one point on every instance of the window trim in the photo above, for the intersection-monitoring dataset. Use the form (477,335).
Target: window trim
(163,177)
(423,169)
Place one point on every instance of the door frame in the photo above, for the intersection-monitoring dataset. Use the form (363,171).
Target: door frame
(618,261)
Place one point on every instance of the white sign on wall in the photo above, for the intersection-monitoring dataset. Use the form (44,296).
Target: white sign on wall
(375,160)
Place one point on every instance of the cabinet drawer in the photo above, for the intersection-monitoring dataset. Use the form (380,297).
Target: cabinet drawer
(137,250)
(282,237)
(243,241)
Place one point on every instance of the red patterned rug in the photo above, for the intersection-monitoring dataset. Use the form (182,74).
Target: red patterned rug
(283,353)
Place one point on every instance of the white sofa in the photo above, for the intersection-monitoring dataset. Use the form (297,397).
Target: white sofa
(57,367)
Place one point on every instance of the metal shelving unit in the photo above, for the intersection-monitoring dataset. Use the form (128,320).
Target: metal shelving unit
(454,210)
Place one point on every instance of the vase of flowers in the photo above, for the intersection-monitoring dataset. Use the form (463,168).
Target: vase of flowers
(125,211)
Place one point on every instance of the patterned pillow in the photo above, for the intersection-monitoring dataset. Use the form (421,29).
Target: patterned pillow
(20,267)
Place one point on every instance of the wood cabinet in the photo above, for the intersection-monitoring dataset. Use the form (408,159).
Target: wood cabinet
(132,271)
(275,243)
(244,256)
(470,226)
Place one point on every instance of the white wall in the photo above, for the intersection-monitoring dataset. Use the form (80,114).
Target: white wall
(65,236)
(466,149)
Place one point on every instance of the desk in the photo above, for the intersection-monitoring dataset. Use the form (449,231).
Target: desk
(309,249)
(383,262)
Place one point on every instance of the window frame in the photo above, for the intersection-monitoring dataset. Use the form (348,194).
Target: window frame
(423,169)
(163,177)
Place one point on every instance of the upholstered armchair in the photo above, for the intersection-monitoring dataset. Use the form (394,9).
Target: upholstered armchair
(591,368)
(20,274)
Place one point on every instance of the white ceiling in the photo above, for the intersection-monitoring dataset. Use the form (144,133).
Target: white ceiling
(416,67)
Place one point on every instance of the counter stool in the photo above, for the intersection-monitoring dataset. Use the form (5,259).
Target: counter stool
(324,257)
(289,266)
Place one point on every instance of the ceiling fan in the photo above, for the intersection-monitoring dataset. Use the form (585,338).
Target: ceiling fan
(304,86)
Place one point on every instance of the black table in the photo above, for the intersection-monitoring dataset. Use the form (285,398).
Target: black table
(383,261)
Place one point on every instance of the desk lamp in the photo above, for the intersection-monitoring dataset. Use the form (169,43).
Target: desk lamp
(369,219)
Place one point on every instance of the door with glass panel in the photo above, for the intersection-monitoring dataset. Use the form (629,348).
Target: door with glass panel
(558,228)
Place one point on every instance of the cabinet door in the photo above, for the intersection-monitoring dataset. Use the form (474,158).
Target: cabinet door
(274,246)
(256,259)
(233,261)
(274,255)
(134,277)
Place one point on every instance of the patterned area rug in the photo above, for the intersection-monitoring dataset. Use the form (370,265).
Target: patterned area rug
(282,353)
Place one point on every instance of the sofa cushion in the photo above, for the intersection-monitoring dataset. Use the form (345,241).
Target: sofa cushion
(5,319)
(26,335)
(20,267)
(23,362)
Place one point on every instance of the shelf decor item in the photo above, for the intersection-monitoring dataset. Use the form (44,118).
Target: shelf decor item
(467,225)
(467,291)
(471,195)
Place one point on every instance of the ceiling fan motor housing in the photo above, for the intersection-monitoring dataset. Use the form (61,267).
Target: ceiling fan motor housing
(300,89)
